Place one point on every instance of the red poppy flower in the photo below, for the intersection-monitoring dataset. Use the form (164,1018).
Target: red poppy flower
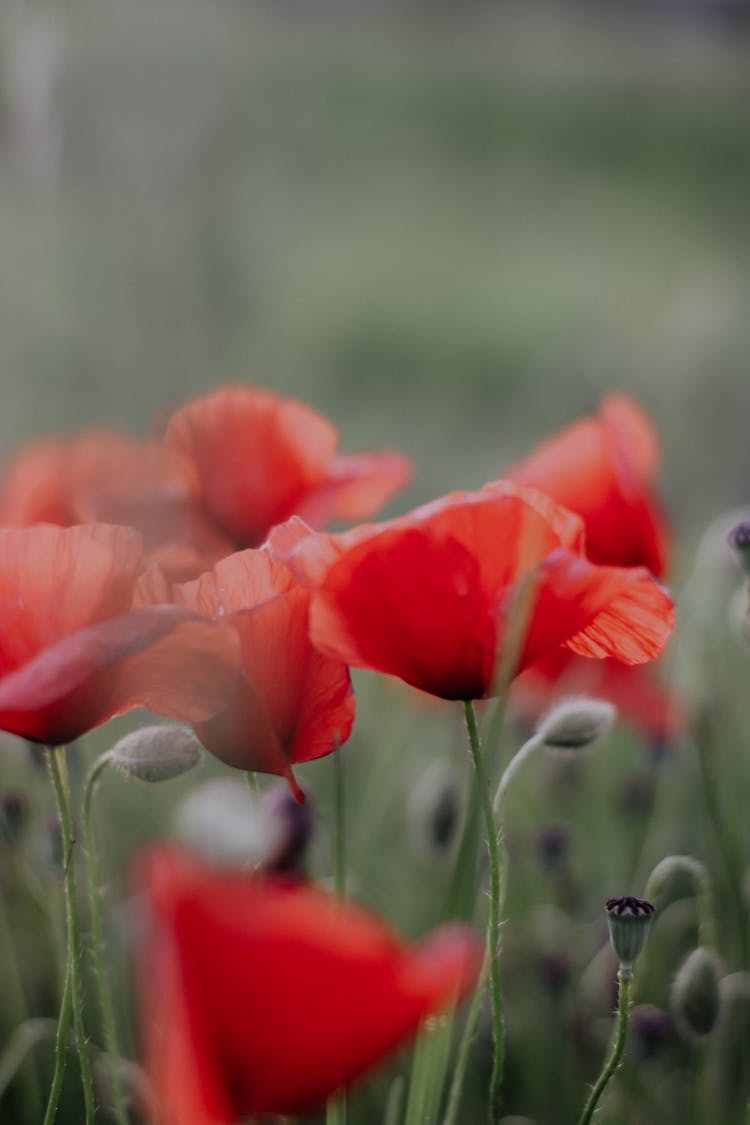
(603,468)
(264,996)
(426,597)
(636,692)
(255,458)
(73,653)
(293,703)
(104,476)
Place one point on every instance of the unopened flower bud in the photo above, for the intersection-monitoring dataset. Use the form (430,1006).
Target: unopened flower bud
(739,541)
(227,823)
(629,921)
(552,846)
(649,1030)
(156,753)
(292,828)
(435,809)
(14,816)
(575,723)
(696,993)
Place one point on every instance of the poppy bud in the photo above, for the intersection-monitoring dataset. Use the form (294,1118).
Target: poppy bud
(739,541)
(575,723)
(629,920)
(649,1030)
(227,823)
(156,753)
(292,828)
(14,816)
(696,995)
(435,809)
(552,846)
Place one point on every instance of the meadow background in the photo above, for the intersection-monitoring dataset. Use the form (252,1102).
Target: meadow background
(450,228)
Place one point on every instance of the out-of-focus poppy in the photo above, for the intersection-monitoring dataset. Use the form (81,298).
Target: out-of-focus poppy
(427,597)
(73,652)
(254,458)
(292,703)
(105,476)
(265,995)
(603,468)
(636,692)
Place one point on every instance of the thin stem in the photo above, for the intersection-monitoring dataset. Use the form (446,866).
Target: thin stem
(63,1026)
(624,977)
(336,1105)
(464,1047)
(104,992)
(497,865)
(59,772)
(512,769)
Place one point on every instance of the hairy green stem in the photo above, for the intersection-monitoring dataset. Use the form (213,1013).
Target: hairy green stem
(72,991)
(104,992)
(497,865)
(624,977)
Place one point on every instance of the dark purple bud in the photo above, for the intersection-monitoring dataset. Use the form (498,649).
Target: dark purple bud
(650,1028)
(739,541)
(14,816)
(293,826)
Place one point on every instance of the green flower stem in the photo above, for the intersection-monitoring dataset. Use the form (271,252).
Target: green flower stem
(497,866)
(624,978)
(59,772)
(512,768)
(464,1048)
(104,993)
(336,1106)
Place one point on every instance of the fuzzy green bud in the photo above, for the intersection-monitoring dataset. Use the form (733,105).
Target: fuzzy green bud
(575,723)
(696,993)
(629,921)
(156,753)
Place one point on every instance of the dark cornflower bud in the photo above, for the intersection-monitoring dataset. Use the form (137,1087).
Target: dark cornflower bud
(629,921)
(552,846)
(14,816)
(739,541)
(696,993)
(649,1030)
(555,970)
(293,825)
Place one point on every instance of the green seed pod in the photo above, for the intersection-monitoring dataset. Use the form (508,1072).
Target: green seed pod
(696,994)
(629,921)
(156,753)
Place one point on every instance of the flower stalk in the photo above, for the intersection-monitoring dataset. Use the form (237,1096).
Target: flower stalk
(72,999)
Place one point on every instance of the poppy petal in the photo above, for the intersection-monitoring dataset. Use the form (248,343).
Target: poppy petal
(299,995)
(356,485)
(90,675)
(250,455)
(598,611)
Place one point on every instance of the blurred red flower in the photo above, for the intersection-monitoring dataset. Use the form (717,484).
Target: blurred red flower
(603,469)
(254,458)
(636,692)
(105,476)
(73,652)
(292,703)
(265,995)
(426,597)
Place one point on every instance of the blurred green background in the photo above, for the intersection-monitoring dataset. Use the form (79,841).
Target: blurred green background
(448,226)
